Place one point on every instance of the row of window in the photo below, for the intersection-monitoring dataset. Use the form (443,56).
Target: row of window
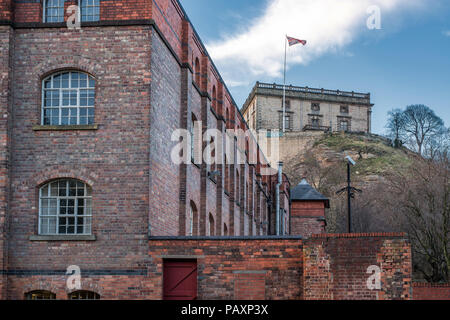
(54,10)
(315,121)
(315,107)
(48,295)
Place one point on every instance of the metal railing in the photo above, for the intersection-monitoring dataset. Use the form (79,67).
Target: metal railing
(313,90)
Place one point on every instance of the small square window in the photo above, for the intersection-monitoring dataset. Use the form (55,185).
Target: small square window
(344,109)
(315,106)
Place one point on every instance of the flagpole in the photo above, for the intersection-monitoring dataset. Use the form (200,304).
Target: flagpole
(284,85)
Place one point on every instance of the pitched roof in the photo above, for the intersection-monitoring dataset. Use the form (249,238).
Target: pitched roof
(305,192)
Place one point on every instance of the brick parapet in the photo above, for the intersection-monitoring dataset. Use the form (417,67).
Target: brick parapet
(431,291)
(337,267)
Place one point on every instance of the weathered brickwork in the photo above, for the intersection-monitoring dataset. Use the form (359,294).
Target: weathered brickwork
(427,291)
(307,218)
(336,267)
(113,160)
(110,286)
(273,265)
(152,74)
(6,47)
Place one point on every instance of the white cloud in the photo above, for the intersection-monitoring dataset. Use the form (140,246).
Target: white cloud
(327,25)
(447,33)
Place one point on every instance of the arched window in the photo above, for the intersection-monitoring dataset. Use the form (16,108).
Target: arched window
(53,10)
(65,207)
(211,225)
(84,295)
(238,189)
(197,71)
(90,10)
(68,99)
(227,174)
(214,98)
(40,295)
(193,137)
(191,221)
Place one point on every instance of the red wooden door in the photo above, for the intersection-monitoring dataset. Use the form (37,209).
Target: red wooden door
(180,280)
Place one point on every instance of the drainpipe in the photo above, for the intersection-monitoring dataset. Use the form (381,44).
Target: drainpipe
(280,181)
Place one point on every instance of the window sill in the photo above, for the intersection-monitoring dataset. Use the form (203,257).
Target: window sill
(63,238)
(65,128)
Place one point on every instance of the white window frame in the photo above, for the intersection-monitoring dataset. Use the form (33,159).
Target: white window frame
(60,106)
(80,6)
(44,15)
(87,212)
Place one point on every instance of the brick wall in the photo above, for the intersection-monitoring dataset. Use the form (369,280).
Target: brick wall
(6,45)
(429,291)
(113,160)
(308,217)
(5,10)
(336,266)
(227,268)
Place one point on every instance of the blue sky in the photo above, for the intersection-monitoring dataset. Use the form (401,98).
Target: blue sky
(405,62)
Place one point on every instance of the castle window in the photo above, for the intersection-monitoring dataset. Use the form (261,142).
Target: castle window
(40,295)
(315,107)
(287,121)
(90,10)
(84,295)
(54,10)
(344,109)
(65,208)
(343,125)
(68,99)
(315,122)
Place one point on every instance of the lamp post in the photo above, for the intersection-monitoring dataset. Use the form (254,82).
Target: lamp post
(350,191)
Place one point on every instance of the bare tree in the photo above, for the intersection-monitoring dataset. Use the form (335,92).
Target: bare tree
(395,126)
(422,197)
(438,144)
(420,123)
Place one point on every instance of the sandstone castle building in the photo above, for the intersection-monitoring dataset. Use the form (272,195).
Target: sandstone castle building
(307,109)
(87,181)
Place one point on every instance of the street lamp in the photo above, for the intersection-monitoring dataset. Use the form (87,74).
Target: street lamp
(350,191)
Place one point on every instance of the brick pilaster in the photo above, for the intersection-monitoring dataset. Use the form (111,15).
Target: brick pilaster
(6,34)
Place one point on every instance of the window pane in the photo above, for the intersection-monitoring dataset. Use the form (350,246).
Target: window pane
(65,80)
(57,95)
(63,207)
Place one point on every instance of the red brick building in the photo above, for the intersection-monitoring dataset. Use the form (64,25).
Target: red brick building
(85,143)
(308,210)
(87,180)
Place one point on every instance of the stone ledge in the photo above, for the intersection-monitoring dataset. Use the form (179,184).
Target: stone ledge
(63,238)
(360,235)
(222,238)
(65,128)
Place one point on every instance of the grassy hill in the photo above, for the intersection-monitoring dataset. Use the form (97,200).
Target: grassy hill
(374,155)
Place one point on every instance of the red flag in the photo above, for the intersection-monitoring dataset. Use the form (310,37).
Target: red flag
(293,41)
